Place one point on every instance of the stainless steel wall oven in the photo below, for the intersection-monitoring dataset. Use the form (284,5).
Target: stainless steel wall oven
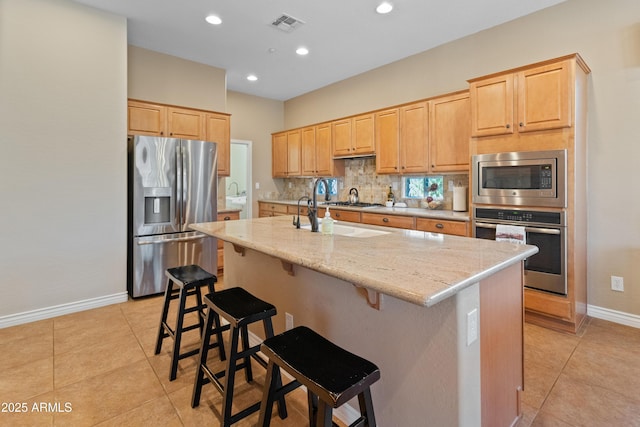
(545,229)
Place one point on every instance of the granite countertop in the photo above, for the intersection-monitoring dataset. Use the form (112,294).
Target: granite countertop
(417,212)
(228,210)
(418,267)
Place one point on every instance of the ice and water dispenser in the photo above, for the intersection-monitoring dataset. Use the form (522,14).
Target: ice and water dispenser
(157,205)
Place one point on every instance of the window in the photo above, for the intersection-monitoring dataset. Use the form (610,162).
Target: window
(333,183)
(420,187)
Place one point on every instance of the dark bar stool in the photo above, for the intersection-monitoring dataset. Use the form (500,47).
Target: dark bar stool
(183,282)
(240,309)
(331,374)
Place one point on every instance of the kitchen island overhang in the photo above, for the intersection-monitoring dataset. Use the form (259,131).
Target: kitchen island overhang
(419,339)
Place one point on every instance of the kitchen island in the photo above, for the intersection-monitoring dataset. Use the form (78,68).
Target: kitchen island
(440,315)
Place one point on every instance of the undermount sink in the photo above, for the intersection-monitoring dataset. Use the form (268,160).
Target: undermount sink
(345,230)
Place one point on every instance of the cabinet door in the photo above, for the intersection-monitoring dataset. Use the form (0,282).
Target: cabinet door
(324,158)
(363,140)
(341,132)
(387,141)
(543,97)
(450,133)
(146,119)
(308,155)
(294,141)
(217,129)
(279,155)
(414,138)
(183,123)
(492,106)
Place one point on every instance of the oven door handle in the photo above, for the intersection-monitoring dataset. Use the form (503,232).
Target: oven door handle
(554,231)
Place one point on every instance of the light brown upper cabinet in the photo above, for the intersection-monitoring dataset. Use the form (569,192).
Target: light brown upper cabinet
(161,120)
(279,155)
(147,118)
(414,138)
(294,141)
(184,123)
(286,153)
(317,158)
(353,136)
(532,99)
(217,129)
(449,132)
(402,139)
(423,137)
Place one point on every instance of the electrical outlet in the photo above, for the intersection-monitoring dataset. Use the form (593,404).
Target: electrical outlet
(288,321)
(617,283)
(472,326)
(291,185)
(257,185)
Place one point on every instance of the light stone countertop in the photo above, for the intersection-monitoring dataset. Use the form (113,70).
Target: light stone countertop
(417,212)
(418,267)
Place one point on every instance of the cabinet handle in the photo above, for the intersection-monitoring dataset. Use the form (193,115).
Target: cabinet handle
(385,219)
(508,126)
(438,225)
(433,166)
(227,218)
(337,215)
(521,124)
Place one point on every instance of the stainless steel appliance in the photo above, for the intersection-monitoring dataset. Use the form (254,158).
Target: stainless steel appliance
(545,229)
(526,178)
(172,183)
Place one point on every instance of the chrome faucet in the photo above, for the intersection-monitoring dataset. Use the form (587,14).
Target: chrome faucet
(296,221)
(313,205)
(237,190)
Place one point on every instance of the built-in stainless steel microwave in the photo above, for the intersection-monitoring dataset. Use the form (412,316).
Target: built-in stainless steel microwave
(526,178)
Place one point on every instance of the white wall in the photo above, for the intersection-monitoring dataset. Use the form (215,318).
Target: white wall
(63,88)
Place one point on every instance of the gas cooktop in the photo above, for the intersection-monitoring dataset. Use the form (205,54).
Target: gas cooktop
(354,205)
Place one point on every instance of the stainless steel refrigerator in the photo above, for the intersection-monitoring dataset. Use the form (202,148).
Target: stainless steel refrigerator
(172,183)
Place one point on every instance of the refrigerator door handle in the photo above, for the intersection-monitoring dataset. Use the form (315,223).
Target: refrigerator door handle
(177,239)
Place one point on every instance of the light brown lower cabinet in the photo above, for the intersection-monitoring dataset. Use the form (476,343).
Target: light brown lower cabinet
(456,228)
(271,209)
(397,221)
(226,216)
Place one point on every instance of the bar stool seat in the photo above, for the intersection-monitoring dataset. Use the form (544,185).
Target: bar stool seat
(182,282)
(240,308)
(331,375)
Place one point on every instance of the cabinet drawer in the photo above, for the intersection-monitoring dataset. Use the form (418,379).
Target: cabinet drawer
(389,220)
(293,210)
(275,208)
(228,216)
(341,215)
(457,228)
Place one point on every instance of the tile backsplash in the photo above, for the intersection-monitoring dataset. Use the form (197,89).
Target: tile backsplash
(373,188)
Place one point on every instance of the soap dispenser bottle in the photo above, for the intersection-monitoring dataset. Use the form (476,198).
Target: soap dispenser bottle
(327,223)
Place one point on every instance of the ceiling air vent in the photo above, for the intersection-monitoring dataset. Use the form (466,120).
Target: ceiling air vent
(287,23)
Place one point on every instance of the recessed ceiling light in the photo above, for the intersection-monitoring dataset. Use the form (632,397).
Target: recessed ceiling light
(252,77)
(213,20)
(302,51)
(384,7)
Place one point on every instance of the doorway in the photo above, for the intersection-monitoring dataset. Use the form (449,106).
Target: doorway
(238,184)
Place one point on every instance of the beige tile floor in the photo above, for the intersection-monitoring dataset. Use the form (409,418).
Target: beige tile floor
(98,368)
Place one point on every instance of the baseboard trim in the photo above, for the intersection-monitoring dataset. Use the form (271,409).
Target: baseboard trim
(614,316)
(59,310)
(346,413)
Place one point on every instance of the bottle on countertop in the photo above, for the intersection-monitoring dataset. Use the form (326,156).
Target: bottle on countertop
(390,196)
(327,223)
